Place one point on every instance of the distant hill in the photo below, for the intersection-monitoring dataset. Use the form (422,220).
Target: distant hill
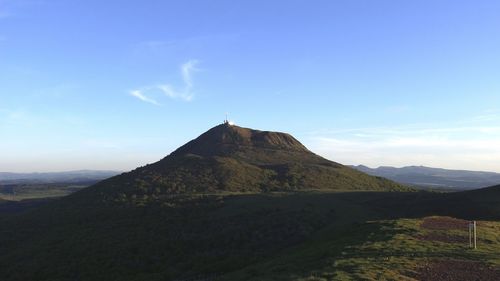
(56,177)
(229,158)
(435,177)
(22,186)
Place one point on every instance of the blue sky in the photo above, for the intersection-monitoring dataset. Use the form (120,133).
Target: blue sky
(118,84)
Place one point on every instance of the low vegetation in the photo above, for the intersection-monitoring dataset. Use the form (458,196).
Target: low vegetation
(402,249)
(271,236)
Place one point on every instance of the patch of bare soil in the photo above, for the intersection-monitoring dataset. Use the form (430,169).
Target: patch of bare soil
(457,270)
(443,238)
(444,223)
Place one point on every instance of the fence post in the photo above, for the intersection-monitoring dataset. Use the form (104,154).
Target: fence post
(470,234)
(475,237)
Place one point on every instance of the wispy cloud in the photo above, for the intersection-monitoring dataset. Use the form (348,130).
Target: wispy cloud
(474,147)
(187,70)
(488,116)
(138,94)
(186,92)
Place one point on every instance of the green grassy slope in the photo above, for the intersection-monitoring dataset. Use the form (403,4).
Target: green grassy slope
(279,235)
(402,249)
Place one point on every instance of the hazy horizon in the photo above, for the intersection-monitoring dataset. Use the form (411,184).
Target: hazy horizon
(139,165)
(114,85)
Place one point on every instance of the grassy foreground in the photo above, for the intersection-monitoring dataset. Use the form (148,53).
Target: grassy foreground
(271,236)
(403,249)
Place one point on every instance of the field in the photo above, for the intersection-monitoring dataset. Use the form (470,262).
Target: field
(24,191)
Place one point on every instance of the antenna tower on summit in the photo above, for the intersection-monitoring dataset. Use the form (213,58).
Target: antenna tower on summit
(227,122)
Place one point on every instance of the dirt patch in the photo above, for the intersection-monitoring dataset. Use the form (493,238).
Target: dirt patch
(443,238)
(457,270)
(444,223)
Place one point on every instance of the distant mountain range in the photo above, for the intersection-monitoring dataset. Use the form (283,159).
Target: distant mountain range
(434,177)
(80,176)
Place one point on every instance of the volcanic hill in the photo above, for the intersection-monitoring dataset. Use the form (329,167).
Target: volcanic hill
(229,158)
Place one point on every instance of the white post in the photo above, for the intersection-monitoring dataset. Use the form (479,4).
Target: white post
(470,234)
(475,237)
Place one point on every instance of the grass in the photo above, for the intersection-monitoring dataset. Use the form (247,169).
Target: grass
(399,256)
(376,250)
(266,236)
